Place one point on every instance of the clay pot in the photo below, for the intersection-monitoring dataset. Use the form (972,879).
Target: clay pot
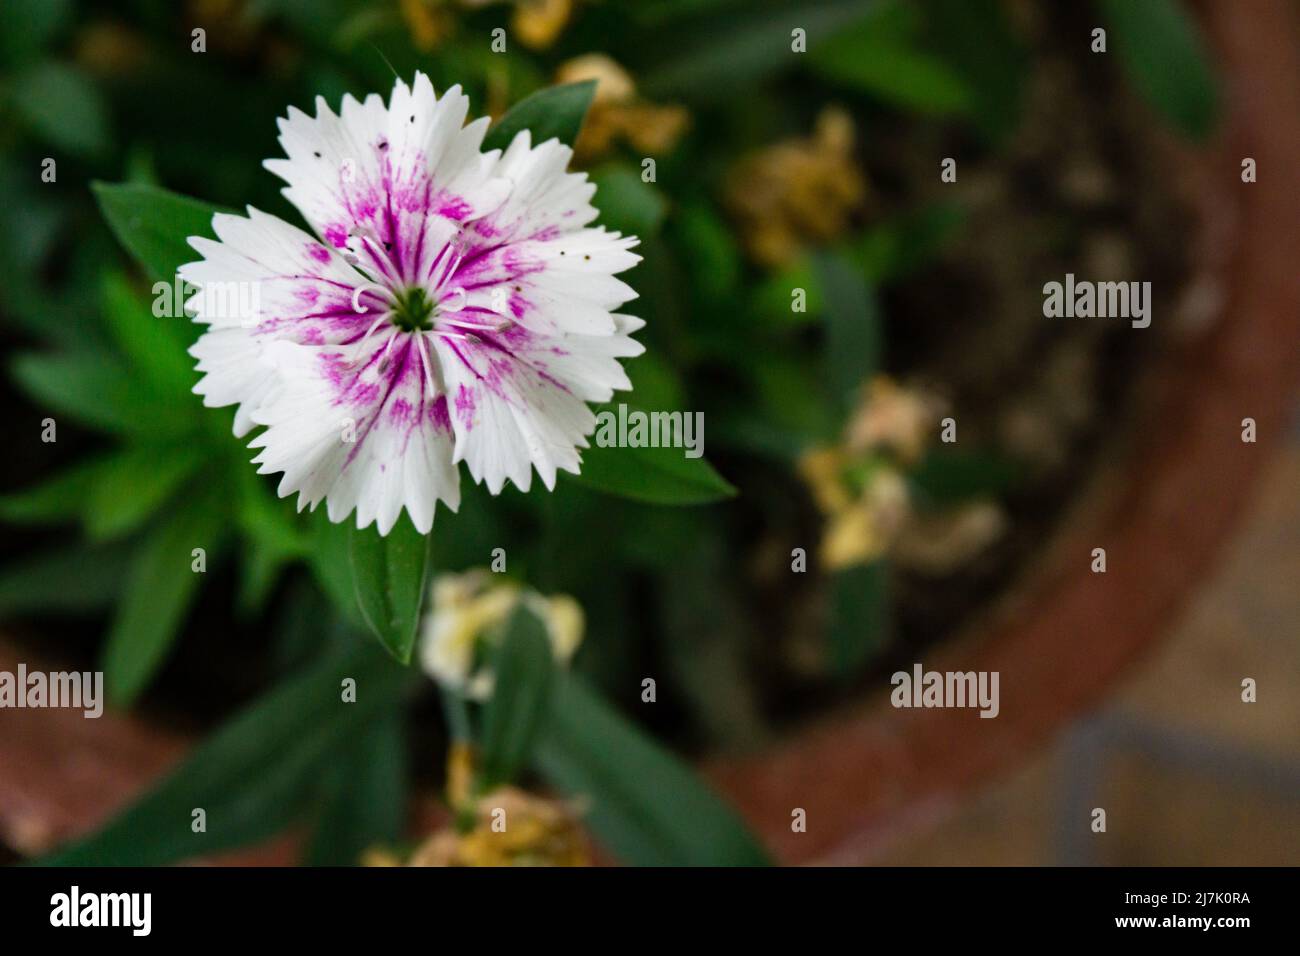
(1163,511)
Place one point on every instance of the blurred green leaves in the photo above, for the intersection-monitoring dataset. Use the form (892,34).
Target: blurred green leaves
(1164,56)
(853,335)
(524,670)
(63,107)
(99,392)
(660,476)
(646,806)
(717,52)
(556,111)
(175,483)
(877,63)
(263,769)
(858,625)
(27,26)
(627,204)
(159,589)
(155,225)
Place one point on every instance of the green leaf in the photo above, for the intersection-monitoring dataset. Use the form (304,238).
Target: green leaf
(524,668)
(903,77)
(647,807)
(153,346)
(131,485)
(61,498)
(711,56)
(65,581)
(626,203)
(273,540)
(332,565)
(946,477)
(555,112)
(774,295)
(158,593)
(976,39)
(898,249)
(1163,55)
(659,476)
(858,617)
(155,225)
(710,252)
(64,107)
(853,337)
(96,391)
(365,799)
(28,25)
(391,574)
(255,775)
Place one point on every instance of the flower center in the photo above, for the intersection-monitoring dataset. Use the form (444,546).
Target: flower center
(412,310)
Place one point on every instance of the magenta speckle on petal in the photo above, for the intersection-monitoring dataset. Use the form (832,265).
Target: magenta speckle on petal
(518,305)
(336,236)
(439,413)
(400,411)
(453,207)
(318,252)
(465,406)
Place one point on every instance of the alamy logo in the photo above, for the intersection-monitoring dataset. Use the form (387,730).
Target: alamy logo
(923,688)
(75,908)
(637,429)
(1102,300)
(237,301)
(76,689)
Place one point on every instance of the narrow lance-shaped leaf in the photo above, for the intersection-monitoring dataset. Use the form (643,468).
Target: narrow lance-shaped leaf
(41,582)
(646,806)
(155,346)
(858,624)
(390,574)
(159,591)
(365,799)
(1163,54)
(556,111)
(661,476)
(852,324)
(98,392)
(524,669)
(256,774)
(133,484)
(155,224)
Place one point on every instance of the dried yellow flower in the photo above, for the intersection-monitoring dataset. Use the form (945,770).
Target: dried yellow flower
(893,418)
(617,113)
(798,192)
(537,23)
(467,607)
(864,531)
(509,828)
(429,22)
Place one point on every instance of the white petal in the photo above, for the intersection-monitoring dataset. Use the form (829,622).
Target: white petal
(388,171)
(361,429)
(509,418)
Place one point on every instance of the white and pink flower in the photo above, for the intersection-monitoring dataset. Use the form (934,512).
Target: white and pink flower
(454,305)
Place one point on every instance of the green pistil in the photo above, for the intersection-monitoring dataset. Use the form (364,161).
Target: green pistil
(413,312)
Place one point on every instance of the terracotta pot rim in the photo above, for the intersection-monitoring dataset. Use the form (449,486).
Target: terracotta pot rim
(869,773)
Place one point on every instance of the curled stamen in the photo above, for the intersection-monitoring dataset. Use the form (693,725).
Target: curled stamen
(366,338)
(494,327)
